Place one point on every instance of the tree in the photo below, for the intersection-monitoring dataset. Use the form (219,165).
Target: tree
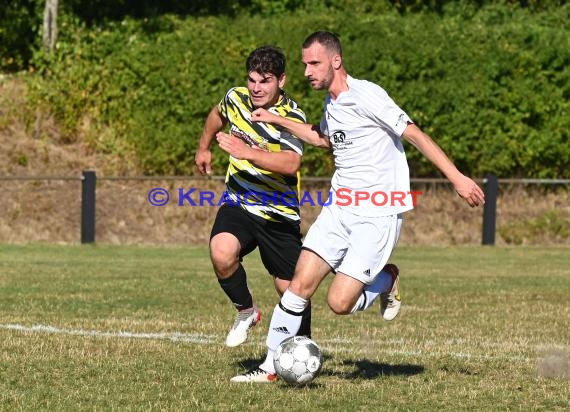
(50,24)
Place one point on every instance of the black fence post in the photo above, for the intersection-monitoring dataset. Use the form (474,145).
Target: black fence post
(88,182)
(491,189)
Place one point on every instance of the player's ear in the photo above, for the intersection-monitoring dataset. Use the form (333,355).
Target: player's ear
(336,61)
(281,80)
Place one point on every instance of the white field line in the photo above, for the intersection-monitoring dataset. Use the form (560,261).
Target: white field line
(334,345)
(173,337)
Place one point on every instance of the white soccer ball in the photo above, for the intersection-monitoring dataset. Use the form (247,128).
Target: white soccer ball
(298,360)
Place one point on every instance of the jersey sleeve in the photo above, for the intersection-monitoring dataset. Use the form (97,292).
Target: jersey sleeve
(388,114)
(290,142)
(223,104)
(394,118)
(290,110)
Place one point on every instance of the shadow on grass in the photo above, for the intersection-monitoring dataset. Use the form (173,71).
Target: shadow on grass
(364,369)
(250,363)
(360,369)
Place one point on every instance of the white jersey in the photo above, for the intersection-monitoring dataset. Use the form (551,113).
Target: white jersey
(365,126)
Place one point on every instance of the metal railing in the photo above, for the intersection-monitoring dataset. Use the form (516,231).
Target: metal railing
(89,182)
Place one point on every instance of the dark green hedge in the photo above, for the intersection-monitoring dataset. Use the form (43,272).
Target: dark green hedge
(21,20)
(490,84)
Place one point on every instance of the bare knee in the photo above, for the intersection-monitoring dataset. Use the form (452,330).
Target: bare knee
(224,253)
(301,288)
(340,305)
(281,285)
(343,294)
(224,265)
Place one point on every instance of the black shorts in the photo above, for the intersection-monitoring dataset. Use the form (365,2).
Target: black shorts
(279,242)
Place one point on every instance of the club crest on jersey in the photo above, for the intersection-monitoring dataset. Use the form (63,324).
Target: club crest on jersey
(338,137)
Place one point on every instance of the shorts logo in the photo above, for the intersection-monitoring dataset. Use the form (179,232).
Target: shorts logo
(367,272)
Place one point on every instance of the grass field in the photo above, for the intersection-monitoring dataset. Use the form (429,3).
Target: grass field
(142,328)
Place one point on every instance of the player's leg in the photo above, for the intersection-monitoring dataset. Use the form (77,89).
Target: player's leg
(323,249)
(347,295)
(288,314)
(281,286)
(322,240)
(384,286)
(366,262)
(343,293)
(387,284)
(230,241)
(279,247)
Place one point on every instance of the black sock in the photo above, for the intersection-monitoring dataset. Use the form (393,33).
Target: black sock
(305,329)
(236,288)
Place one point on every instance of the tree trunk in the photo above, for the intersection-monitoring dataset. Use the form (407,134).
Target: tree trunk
(50,24)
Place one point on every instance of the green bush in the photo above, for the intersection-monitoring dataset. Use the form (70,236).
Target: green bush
(490,84)
(19,23)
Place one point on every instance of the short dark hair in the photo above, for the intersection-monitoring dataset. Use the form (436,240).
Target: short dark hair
(329,40)
(266,59)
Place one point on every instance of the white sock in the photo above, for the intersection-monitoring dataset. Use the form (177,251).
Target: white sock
(282,326)
(286,319)
(267,364)
(293,303)
(383,283)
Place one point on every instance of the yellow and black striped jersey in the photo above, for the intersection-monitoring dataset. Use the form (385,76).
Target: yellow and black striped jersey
(272,196)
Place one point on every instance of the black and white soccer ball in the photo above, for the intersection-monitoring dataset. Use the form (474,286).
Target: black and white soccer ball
(298,360)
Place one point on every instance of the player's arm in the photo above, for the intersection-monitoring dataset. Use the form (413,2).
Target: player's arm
(465,187)
(286,162)
(308,133)
(214,123)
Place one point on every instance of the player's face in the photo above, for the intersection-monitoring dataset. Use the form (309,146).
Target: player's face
(318,66)
(264,88)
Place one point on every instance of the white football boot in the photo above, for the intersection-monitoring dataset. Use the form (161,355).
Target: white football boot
(390,302)
(256,375)
(245,320)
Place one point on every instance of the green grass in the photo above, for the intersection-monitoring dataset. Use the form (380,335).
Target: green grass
(142,328)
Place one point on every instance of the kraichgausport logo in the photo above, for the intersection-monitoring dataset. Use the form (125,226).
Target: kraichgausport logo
(342,197)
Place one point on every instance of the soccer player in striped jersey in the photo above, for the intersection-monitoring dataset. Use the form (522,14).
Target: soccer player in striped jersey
(261,207)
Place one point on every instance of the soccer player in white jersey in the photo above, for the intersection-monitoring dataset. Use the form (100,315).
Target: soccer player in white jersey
(356,234)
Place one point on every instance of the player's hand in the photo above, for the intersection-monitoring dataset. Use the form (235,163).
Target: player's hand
(470,191)
(262,115)
(203,160)
(233,145)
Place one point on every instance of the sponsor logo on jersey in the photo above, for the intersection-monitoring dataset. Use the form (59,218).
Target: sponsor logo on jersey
(338,137)
(247,138)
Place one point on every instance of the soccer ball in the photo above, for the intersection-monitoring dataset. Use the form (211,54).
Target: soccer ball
(298,360)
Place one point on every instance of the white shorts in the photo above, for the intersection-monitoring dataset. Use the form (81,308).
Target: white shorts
(354,245)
